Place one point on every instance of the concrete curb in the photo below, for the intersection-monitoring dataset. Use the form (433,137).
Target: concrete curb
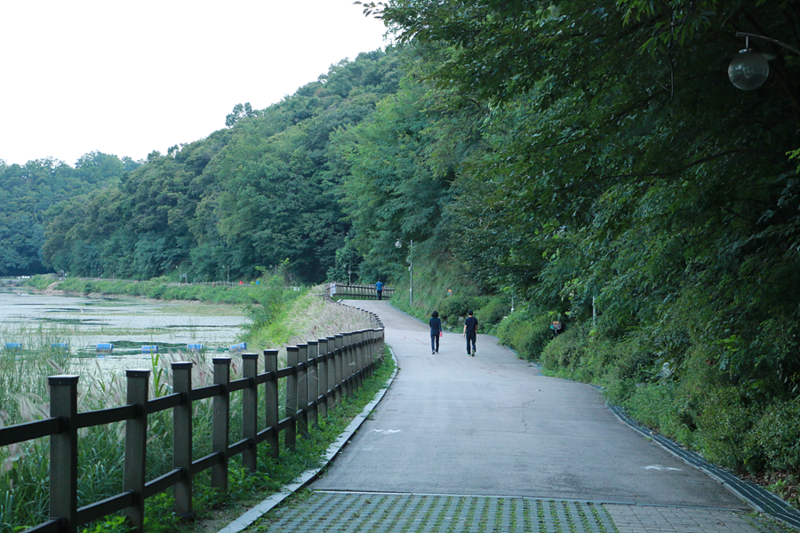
(247,519)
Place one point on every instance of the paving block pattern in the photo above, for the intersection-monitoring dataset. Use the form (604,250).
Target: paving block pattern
(641,519)
(333,512)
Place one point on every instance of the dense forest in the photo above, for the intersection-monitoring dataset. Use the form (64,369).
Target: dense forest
(590,162)
(28,191)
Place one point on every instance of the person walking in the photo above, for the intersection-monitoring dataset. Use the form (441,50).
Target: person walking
(471,332)
(379,289)
(436,331)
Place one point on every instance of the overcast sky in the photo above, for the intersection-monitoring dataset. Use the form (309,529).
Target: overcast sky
(129,77)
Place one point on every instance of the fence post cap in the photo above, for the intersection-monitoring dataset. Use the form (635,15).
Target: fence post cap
(182,364)
(137,373)
(62,379)
(249,356)
(221,360)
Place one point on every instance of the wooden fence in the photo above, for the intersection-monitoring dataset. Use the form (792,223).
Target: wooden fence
(364,292)
(318,375)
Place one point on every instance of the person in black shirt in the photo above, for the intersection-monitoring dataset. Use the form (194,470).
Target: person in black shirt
(436,330)
(471,332)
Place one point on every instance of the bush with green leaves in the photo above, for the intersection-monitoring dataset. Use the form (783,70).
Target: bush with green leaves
(492,312)
(724,420)
(527,332)
(776,437)
(454,309)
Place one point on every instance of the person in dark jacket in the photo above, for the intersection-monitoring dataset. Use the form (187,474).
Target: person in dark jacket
(436,331)
(471,332)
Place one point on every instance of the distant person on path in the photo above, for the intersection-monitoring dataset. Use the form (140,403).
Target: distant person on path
(436,331)
(379,288)
(471,332)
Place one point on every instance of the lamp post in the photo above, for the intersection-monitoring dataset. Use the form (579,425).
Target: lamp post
(398,245)
(749,69)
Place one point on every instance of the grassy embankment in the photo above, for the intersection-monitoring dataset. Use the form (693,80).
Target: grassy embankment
(695,403)
(291,316)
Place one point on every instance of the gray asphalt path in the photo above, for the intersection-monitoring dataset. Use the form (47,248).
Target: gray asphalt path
(492,425)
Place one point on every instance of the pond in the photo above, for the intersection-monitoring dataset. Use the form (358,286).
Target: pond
(83,326)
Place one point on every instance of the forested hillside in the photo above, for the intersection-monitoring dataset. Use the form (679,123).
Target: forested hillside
(28,191)
(260,193)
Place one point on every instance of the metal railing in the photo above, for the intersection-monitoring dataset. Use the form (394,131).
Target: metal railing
(363,292)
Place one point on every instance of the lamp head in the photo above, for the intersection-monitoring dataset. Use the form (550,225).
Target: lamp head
(748,70)
(398,244)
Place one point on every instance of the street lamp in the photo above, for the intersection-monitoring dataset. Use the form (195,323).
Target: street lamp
(749,69)
(398,245)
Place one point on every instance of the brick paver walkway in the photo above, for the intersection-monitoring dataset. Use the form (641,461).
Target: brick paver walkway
(333,512)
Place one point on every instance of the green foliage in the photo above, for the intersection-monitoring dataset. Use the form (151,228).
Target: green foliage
(28,191)
(723,421)
(454,309)
(271,300)
(776,437)
(492,312)
(527,332)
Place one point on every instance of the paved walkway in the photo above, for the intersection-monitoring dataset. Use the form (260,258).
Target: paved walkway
(489,444)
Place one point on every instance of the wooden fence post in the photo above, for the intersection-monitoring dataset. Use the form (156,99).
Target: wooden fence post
(182,437)
(313,384)
(64,451)
(347,366)
(271,397)
(250,411)
(136,447)
(380,348)
(331,372)
(363,347)
(302,389)
(375,353)
(290,436)
(220,423)
(359,358)
(337,363)
(368,345)
(322,376)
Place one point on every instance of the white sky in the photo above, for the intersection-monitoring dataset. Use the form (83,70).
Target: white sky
(130,77)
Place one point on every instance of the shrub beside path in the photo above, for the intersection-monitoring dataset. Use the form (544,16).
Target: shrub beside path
(487,443)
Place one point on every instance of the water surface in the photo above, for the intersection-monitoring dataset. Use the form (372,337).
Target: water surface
(38,321)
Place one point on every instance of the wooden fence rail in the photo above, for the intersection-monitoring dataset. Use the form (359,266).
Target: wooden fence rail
(344,290)
(318,375)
